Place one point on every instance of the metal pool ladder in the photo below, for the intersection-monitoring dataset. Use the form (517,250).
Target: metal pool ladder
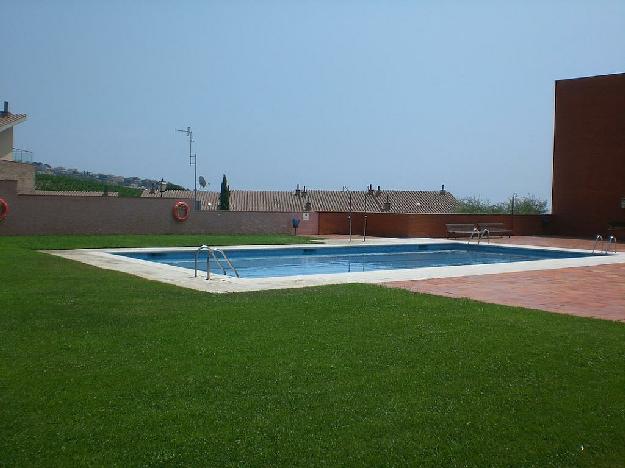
(480,234)
(211,252)
(605,244)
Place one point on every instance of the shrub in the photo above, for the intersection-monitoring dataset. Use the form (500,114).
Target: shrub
(529,204)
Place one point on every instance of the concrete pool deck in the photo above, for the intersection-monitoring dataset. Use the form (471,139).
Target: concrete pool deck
(418,279)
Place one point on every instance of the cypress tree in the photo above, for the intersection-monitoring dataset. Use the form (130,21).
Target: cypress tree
(224,196)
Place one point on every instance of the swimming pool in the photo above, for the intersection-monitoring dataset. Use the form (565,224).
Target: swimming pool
(316,260)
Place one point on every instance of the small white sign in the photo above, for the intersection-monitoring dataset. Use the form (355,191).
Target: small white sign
(306,216)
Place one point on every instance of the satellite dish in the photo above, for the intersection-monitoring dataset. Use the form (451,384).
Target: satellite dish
(202,181)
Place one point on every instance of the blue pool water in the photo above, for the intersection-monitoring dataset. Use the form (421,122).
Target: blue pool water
(289,261)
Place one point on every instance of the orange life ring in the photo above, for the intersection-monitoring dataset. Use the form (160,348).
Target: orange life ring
(181,211)
(4,209)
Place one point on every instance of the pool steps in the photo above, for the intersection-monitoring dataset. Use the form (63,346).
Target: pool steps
(605,244)
(480,235)
(211,252)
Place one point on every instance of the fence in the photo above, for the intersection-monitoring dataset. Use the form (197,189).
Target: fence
(426,225)
(56,214)
(32,214)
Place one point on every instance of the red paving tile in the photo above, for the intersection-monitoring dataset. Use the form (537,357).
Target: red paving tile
(597,291)
(562,242)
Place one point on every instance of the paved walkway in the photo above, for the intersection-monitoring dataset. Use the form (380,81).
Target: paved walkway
(597,291)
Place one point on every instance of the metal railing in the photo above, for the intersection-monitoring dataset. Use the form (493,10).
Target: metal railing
(480,235)
(210,252)
(22,155)
(605,244)
(611,240)
(208,265)
(227,260)
(485,232)
(598,239)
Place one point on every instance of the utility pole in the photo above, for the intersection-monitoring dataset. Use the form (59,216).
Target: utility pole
(350,215)
(192,162)
(369,191)
(512,213)
(349,209)
(364,225)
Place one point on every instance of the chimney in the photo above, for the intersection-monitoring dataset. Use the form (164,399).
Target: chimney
(297,191)
(443,189)
(387,204)
(5,112)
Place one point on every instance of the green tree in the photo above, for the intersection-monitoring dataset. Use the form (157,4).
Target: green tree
(58,183)
(224,196)
(475,205)
(171,186)
(529,204)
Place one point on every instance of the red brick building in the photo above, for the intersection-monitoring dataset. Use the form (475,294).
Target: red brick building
(589,155)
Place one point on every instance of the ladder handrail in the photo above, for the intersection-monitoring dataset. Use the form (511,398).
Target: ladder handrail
(197,254)
(475,231)
(225,257)
(605,244)
(608,242)
(480,235)
(210,252)
(597,239)
(484,232)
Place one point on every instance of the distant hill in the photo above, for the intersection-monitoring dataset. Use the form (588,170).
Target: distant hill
(60,183)
(61,179)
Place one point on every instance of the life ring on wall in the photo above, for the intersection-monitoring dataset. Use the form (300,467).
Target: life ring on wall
(4,209)
(181,211)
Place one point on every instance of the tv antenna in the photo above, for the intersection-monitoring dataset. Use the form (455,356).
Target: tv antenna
(192,162)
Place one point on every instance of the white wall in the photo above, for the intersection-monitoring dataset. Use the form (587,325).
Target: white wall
(6,144)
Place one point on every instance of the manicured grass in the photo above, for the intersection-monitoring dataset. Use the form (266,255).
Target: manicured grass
(102,368)
(120,240)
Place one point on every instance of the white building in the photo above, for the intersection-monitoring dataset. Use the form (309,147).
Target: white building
(7,122)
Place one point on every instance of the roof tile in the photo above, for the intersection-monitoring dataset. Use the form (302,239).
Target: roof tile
(401,201)
(9,120)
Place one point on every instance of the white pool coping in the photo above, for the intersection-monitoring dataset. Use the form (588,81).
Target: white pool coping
(184,277)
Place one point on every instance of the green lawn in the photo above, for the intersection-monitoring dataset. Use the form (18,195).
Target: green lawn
(102,368)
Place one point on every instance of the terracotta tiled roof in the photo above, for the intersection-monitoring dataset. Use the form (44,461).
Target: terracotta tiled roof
(71,193)
(400,201)
(208,200)
(10,120)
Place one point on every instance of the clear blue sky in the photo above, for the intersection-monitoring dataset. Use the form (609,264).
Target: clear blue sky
(402,94)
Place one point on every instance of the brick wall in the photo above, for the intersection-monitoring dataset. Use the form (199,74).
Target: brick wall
(37,214)
(589,154)
(425,225)
(55,214)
